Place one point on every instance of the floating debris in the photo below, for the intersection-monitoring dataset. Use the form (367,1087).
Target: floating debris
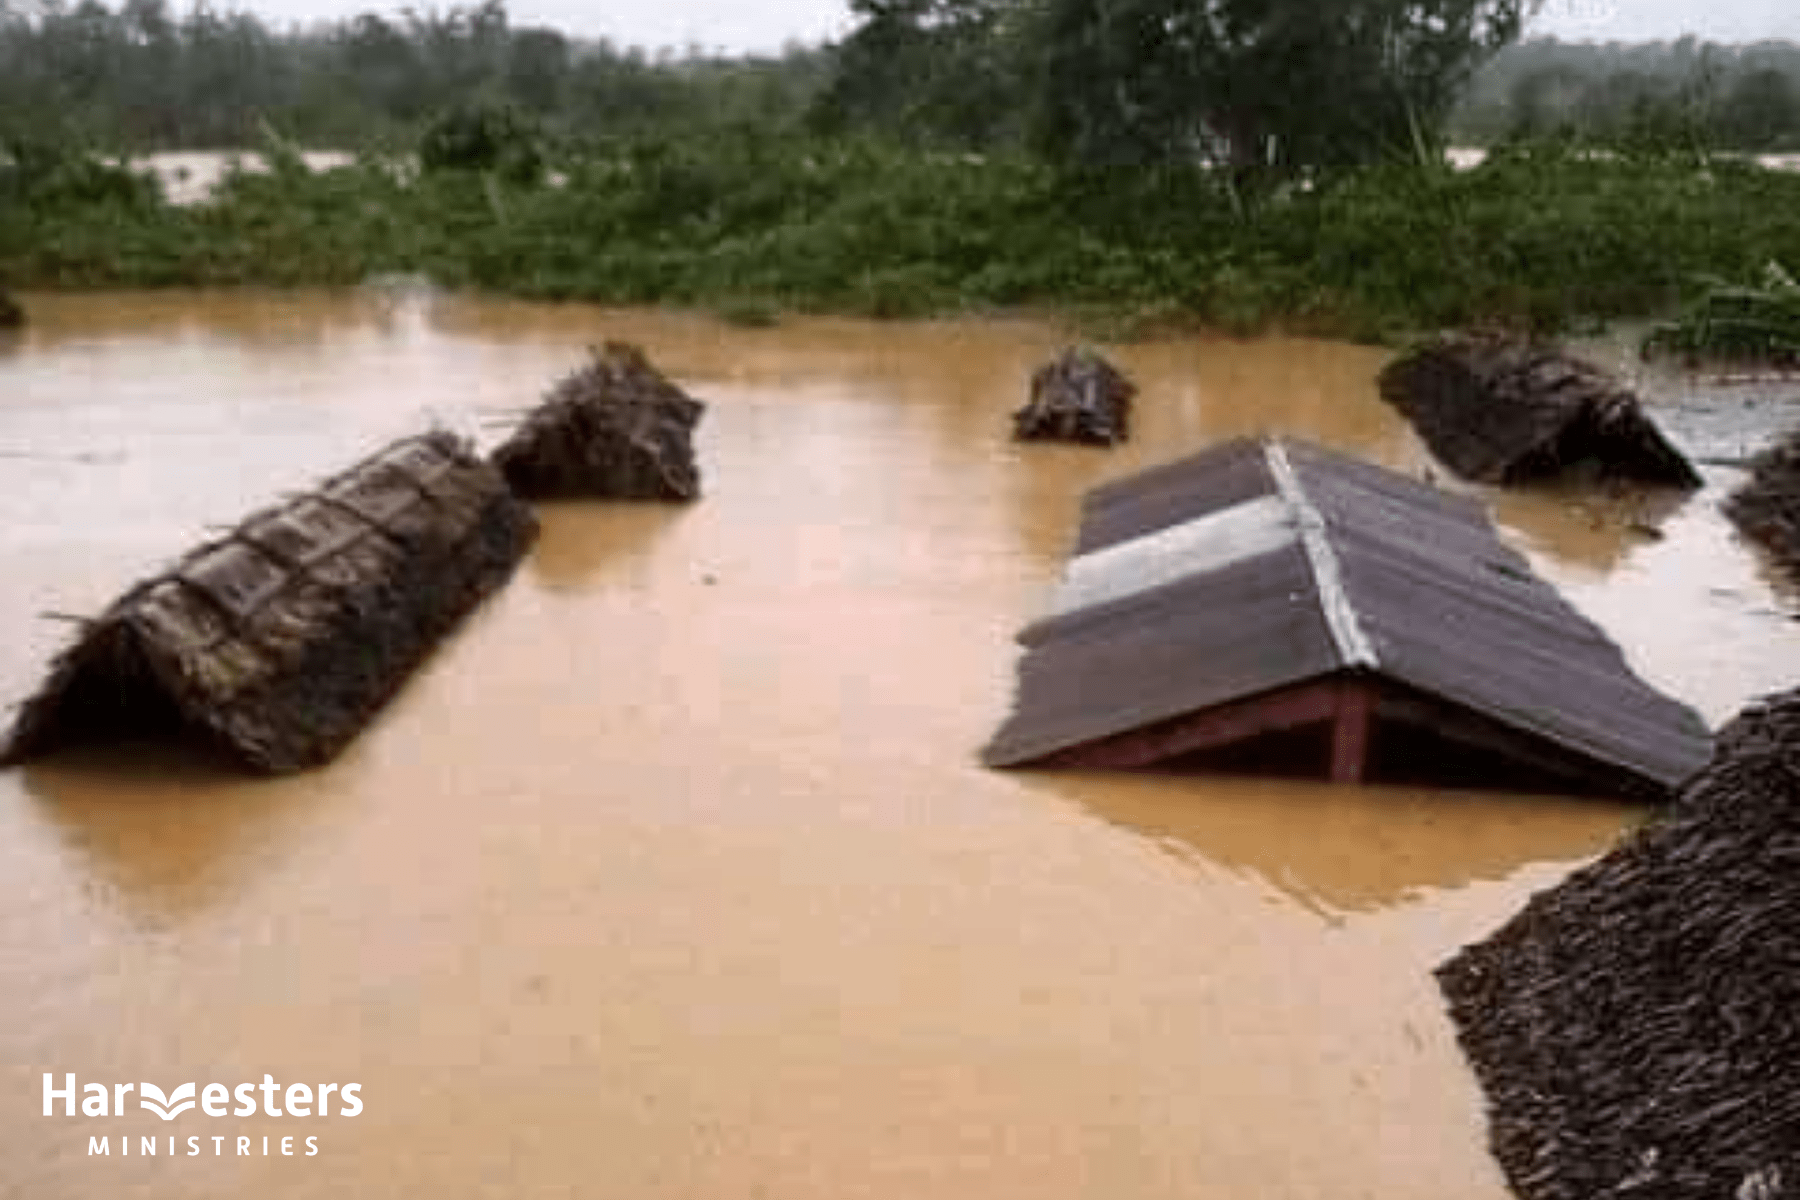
(1767,508)
(1079,397)
(1501,411)
(280,640)
(1635,1027)
(1269,607)
(616,429)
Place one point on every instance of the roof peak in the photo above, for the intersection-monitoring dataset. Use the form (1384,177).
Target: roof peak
(1353,643)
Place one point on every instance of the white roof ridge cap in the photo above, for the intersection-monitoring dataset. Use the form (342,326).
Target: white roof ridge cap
(1353,644)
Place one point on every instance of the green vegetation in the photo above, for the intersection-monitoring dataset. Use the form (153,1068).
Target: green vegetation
(143,77)
(1537,235)
(865,179)
(1744,98)
(1734,322)
(1258,84)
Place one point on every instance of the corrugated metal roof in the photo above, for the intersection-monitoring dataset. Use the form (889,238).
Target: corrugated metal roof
(1387,574)
(1205,544)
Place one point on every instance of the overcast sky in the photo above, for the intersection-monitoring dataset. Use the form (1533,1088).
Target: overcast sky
(737,25)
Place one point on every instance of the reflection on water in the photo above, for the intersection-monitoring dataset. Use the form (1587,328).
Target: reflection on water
(162,831)
(586,546)
(1348,850)
(673,873)
(1590,529)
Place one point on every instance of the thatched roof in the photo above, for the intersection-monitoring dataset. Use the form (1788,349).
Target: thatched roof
(616,429)
(1637,1029)
(11,315)
(1078,397)
(279,641)
(1497,410)
(1767,508)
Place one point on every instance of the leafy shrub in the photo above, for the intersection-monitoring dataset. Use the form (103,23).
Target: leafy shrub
(485,135)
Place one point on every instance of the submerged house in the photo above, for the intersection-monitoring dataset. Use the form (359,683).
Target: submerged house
(1501,411)
(1076,397)
(617,429)
(276,643)
(1633,1027)
(1267,606)
(1766,509)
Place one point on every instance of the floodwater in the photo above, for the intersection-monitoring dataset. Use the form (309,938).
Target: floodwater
(673,875)
(189,176)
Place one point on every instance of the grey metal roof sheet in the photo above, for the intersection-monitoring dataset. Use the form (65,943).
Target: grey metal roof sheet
(1174,649)
(1419,576)
(1215,540)
(1217,477)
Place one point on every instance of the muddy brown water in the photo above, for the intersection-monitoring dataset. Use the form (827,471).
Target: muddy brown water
(672,875)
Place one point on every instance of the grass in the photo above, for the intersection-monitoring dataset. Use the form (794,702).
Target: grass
(751,227)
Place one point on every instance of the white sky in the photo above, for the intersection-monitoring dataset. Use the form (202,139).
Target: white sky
(738,25)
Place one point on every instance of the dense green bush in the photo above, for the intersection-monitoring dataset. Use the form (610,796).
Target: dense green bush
(1539,234)
(485,135)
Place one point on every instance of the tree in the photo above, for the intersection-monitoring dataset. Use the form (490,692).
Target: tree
(1543,100)
(1761,111)
(1258,84)
(485,135)
(384,66)
(537,67)
(947,71)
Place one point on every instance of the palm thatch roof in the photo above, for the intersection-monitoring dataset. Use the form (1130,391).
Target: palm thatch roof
(277,642)
(616,429)
(1078,397)
(1498,410)
(1636,1027)
(1767,508)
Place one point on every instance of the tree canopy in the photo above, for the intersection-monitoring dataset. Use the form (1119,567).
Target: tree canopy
(1740,97)
(143,75)
(1277,83)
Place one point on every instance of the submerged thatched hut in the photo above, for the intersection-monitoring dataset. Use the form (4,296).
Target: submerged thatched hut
(1767,508)
(1078,397)
(1635,1028)
(11,315)
(617,429)
(1498,410)
(277,642)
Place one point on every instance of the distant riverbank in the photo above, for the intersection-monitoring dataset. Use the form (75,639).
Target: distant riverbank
(189,176)
(751,227)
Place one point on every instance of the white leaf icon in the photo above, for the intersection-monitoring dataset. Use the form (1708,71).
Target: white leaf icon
(165,1106)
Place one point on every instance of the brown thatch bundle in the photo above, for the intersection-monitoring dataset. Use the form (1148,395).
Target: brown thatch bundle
(1078,397)
(11,315)
(1767,508)
(280,640)
(1498,410)
(616,429)
(1637,1029)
